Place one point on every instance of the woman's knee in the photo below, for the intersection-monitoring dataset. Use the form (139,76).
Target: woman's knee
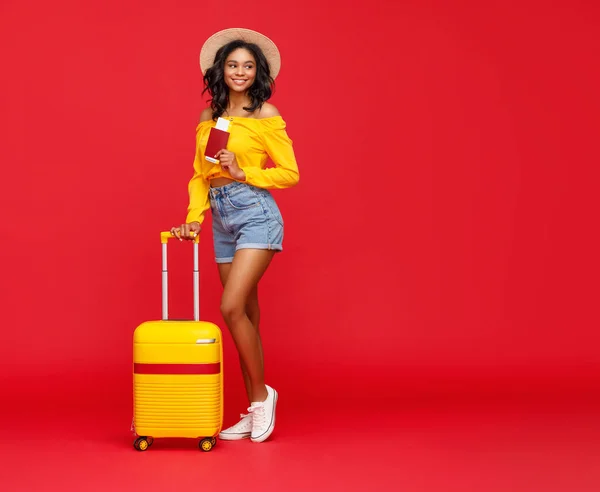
(232,309)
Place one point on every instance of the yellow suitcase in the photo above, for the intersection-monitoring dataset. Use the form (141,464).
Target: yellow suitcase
(177,374)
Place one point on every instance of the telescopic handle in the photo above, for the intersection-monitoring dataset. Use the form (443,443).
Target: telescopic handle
(164,239)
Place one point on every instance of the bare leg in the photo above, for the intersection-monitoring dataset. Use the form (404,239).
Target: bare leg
(253,313)
(240,310)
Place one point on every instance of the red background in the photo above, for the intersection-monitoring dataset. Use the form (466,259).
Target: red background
(441,243)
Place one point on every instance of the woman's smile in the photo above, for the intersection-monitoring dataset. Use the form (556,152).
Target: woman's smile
(240,70)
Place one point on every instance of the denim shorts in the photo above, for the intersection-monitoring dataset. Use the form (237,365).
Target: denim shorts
(244,216)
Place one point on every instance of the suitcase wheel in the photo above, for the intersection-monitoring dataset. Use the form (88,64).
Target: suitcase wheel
(207,444)
(143,443)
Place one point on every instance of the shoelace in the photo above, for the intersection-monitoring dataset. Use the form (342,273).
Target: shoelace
(242,417)
(259,416)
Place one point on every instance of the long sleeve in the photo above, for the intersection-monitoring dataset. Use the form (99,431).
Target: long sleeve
(198,189)
(279,148)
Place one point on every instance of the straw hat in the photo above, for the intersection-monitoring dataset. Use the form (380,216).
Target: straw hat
(221,38)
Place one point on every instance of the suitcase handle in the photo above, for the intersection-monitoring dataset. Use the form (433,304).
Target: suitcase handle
(164,239)
(165,236)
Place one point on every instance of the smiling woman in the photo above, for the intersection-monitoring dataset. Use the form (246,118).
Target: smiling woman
(240,67)
(239,71)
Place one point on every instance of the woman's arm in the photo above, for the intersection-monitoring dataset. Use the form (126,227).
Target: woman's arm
(198,186)
(279,148)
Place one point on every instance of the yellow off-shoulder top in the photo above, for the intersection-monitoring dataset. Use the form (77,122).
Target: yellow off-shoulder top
(252,141)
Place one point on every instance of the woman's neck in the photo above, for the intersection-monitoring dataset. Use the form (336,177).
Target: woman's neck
(237,102)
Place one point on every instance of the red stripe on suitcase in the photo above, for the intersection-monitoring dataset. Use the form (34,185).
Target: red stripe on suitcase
(139,368)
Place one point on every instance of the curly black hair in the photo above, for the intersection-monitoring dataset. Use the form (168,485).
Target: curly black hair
(214,81)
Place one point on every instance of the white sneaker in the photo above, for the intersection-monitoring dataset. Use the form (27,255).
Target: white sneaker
(241,430)
(263,416)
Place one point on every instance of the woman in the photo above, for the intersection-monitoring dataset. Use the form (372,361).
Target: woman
(239,69)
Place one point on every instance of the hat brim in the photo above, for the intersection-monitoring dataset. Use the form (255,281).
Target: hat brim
(221,38)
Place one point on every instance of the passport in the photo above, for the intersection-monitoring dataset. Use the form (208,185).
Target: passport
(217,140)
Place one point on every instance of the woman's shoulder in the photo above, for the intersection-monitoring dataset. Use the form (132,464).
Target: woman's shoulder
(269,119)
(268,110)
(206,121)
(206,115)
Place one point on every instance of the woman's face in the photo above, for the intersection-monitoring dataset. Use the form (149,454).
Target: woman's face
(240,70)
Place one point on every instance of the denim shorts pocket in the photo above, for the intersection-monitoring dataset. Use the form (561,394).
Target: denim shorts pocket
(244,200)
(273,208)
